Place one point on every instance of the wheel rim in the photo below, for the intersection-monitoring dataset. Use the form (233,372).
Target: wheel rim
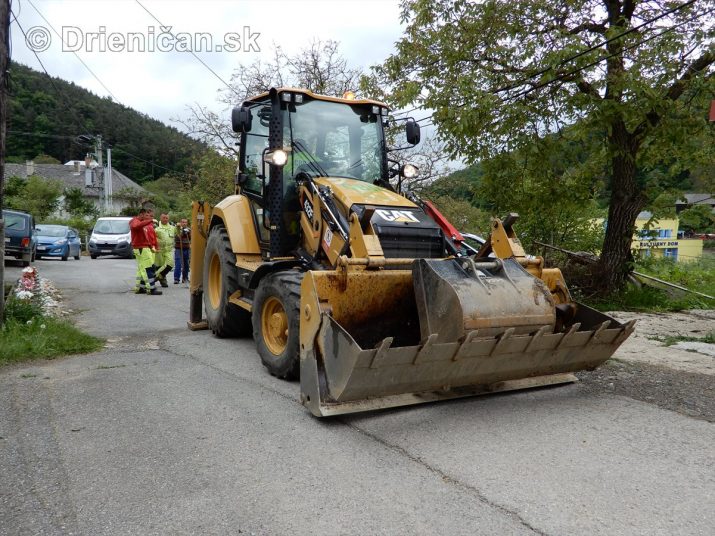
(214,282)
(274,325)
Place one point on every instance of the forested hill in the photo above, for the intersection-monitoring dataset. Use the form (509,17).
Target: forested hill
(47,114)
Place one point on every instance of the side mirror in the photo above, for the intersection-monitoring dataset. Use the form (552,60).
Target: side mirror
(412,128)
(241,119)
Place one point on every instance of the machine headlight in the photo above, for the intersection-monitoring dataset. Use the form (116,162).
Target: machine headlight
(276,157)
(409,171)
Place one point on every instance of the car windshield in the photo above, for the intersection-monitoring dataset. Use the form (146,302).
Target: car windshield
(51,230)
(334,139)
(112,227)
(15,221)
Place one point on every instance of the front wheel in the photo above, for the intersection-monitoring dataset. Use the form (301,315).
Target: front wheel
(225,319)
(276,323)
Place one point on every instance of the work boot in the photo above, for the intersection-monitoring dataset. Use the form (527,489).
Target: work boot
(163,283)
(140,290)
(155,292)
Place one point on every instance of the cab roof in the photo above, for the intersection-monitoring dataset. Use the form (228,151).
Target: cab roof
(312,95)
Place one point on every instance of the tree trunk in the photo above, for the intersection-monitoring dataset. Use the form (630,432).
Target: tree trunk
(627,200)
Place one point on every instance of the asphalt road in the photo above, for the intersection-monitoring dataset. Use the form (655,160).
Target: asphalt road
(169,431)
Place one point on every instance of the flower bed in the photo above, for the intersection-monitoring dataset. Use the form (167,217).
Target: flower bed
(33,327)
(35,294)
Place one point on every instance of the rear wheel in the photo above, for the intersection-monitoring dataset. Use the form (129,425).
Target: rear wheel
(276,323)
(220,281)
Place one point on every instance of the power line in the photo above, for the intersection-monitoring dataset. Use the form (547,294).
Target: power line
(114,148)
(120,150)
(73,52)
(80,123)
(190,51)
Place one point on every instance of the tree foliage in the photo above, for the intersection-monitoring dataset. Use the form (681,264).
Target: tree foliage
(77,205)
(40,197)
(697,219)
(501,74)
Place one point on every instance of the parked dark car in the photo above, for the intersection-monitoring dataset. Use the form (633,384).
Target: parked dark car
(20,237)
(58,241)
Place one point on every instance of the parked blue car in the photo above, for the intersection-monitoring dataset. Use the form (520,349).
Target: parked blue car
(58,241)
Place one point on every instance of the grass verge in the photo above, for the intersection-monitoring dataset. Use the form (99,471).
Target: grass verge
(670,340)
(43,337)
(696,276)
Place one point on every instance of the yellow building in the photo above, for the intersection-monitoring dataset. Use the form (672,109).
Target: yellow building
(661,240)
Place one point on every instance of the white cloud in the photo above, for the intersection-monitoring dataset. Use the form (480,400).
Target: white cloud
(162,84)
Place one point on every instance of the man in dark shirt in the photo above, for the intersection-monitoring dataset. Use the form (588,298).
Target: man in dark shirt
(182,247)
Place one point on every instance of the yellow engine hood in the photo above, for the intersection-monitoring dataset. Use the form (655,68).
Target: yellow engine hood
(351,191)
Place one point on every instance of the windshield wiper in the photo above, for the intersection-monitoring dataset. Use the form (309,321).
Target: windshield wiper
(312,163)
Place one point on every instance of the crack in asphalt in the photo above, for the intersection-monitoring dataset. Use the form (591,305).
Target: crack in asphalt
(386,444)
(447,478)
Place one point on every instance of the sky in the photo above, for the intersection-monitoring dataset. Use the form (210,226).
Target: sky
(143,67)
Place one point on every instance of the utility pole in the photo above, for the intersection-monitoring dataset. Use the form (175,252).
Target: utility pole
(98,151)
(4,66)
(108,183)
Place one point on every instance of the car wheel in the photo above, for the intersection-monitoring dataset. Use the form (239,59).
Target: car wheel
(38,257)
(92,256)
(66,254)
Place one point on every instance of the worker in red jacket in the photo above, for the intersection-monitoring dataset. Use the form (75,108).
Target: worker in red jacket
(145,244)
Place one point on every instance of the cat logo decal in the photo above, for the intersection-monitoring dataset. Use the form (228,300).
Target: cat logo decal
(405,216)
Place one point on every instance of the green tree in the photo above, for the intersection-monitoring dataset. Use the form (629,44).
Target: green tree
(77,205)
(38,196)
(460,213)
(697,219)
(498,74)
(214,178)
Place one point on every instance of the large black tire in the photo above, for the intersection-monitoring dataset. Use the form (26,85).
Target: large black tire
(220,281)
(276,323)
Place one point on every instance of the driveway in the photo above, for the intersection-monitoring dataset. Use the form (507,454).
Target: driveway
(168,431)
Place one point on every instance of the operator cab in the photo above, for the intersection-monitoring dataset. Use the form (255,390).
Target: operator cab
(289,136)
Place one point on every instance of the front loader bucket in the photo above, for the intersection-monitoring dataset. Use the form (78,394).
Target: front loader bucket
(445,329)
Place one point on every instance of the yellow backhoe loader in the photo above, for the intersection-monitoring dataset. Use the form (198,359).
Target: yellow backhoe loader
(367,295)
